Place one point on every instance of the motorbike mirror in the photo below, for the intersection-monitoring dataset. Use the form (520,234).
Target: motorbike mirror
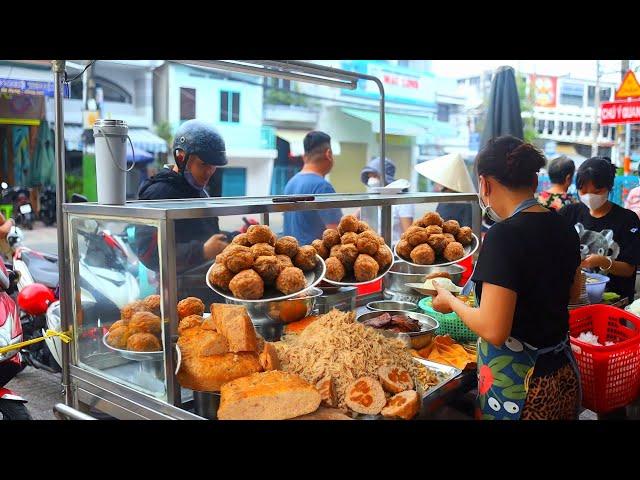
(77,198)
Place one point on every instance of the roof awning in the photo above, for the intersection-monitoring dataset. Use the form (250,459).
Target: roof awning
(142,138)
(296,139)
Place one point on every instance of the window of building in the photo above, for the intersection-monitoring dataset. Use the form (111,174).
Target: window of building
(605,95)
(587,129)
(540,126)
(560,128)
(187,103)
(229,107)
(571,94)
(605,131)
(112,92)
(550,126)
(569,128)
(578,128)
(280,83)
(443,112)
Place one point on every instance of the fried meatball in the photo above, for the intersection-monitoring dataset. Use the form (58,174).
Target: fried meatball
(335,269)
(220,276)
(330,237)
(222,256)
(384,257)
(416,236)
(190,306)
(465,236)
(348,223)
(419,223)
(403,249)
(259,234)
(145,322)
(118,337)
(247,285)
(284,261)
(291,280)
(287,246)
(434,230)
(335,250)
(321,249)
(437,242)
(381,240)
(306,258)
(432,218)
(349,237)
(268,267)
(241,258)
(366,244)
(189,322)
(241,239)
(143,342)
(128,310)
(152,304)
(262,250)
(423,255)
(450,238)
(454,251)
(118,324)
(272,240)
(363,226)
(365,268)
(451,226)
(347,255)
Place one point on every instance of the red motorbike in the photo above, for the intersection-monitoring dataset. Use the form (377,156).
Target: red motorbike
(12,406)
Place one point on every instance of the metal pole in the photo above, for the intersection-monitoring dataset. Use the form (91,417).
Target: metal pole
(624,66)
(596,105)
(58,75)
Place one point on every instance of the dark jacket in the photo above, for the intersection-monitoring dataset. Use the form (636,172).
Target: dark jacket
(190,234)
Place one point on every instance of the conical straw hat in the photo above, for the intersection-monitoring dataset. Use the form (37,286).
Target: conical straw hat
(449,171)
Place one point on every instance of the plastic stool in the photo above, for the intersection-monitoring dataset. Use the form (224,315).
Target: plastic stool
(7,210)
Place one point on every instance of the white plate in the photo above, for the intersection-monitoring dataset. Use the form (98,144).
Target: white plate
(353,283)
(137,356)
(468,251)
(270,293)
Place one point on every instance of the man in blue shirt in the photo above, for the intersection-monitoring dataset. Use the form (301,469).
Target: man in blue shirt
(308,225)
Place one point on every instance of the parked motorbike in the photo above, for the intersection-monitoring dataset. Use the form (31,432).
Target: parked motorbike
(12,406)
(48,206)
(20,197)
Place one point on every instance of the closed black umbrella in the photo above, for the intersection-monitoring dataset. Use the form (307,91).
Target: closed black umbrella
(503,111)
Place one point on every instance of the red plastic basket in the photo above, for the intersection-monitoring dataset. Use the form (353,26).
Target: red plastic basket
(610,376)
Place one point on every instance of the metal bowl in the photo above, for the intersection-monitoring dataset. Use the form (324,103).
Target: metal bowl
(402,273)
(350,281)
(270,293)
(468,251)
(415,340)
(136,356)
(293,309)
(390,305)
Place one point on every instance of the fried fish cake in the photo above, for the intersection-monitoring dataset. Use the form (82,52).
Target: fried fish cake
(118,337)
(247,285)
(259,234)
(291,280)
(366,244)
(434,230)
(465,236)
(287,246)
(365,268)
(190,306)
(241,258)
(437,242)
(268,267)
(384,257)
(320,247)
(347,254)
(404,249)
(284,261)
(241,239)
(306,258)
(349,237)
(262,250)
(416,236)
(348,223)
(220,276)
(363,226)
(152,304)
(330,237)
(128,310)
(423,255)
(335,269)
(432,218)
(454,251)
(143,342)
(145,322)
(451,226)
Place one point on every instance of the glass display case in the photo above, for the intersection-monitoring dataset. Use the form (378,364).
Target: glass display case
(123,254)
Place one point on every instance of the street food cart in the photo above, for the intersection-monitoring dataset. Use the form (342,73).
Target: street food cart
(139,385)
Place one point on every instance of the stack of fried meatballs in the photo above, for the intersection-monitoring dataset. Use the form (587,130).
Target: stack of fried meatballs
(257,259)
(139,328)
(353,250)
(431,237)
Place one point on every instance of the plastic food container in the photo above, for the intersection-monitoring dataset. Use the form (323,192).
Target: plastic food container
(595,286)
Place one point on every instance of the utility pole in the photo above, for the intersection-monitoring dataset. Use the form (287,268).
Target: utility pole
(596,105)
(90,112)
(624,138)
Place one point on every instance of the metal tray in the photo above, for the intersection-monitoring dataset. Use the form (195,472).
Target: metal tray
(350,281)
(468,251)
(270,293)
(448,372)
(136,356)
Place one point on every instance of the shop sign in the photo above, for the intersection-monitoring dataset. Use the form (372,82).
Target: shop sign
(629,88)
(29,87)
(612,113)
(545,90)
(89,117)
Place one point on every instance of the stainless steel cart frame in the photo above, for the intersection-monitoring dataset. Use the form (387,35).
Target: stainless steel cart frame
(84,388)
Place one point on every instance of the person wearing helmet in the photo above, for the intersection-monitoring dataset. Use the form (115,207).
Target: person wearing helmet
(198,149)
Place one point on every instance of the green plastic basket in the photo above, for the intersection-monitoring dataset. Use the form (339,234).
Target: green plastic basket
(450,323)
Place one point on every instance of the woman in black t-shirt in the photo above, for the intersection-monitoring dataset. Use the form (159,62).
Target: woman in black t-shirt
(527,272)
(594,181)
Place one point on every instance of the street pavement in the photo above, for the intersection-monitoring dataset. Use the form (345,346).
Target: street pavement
(41,238)
(41,389)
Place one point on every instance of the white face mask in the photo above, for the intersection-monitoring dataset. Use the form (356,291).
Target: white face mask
(486,209)
(373,182)
(594,201)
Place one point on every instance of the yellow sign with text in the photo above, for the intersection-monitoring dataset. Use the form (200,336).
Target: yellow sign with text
(629,88)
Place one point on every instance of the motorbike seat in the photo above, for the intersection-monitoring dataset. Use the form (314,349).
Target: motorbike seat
(43,269)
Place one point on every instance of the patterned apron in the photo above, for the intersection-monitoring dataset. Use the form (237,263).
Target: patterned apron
(504,372)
